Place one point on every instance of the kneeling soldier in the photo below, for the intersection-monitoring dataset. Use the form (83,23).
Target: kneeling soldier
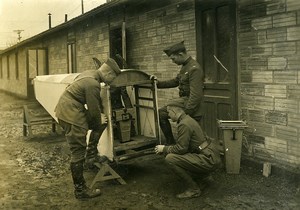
(192,153)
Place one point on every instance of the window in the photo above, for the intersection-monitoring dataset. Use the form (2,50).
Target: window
(71,58)
(37,62)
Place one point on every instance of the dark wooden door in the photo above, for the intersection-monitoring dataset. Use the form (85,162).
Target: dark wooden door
(216,52)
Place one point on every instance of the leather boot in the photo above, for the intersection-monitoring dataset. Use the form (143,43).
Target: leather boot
(193,189)
(81,190)
(167,131)
(92,150)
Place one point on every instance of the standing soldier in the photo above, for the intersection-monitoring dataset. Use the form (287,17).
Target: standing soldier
(189,81)
(76,120)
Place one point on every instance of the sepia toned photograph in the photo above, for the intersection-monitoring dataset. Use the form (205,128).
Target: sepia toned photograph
(150,104)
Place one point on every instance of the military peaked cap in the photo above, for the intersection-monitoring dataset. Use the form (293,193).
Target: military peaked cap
(179,47)
(176,104)
(113,65)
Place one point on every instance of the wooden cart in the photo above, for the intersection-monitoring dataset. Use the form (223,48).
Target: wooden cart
(143,95)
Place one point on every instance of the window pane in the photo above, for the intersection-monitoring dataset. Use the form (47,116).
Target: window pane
(32,66)
(208,32)
(223,37)
(42,70)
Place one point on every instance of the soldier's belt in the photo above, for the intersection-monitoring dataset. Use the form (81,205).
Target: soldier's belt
(204,145)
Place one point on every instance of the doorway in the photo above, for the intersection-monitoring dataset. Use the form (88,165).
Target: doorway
(117,39)
(216,52)
(37,64)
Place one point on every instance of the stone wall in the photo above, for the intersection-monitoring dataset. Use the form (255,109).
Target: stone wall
(269,60)
(150,30)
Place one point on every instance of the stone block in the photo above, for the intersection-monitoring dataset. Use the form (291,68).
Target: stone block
(275,7)
(277,118)
(285,19)
(278,91)
(262,76)
(285,77)
(261,23)
(276,35)
(151,33)
(246,76)
(262,129)
(257,63)
(292,5)
(247,102)
(276,144)
(287,133)
(248,38)
(256,139)
(293,62)
(277,63)
(293,33)
(245,25)
(294,148)
(177,36)
(266,103)
(293,92)
(245,51)
(293,120)
(251,10)
(286,105)
(285,48)
(256,115)
(182,27)
(262,50)
(261,152)
(252,89)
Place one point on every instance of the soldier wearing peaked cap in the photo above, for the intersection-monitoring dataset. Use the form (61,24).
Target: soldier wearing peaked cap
(189,81)
(192,153)
(76,120)
(176,48)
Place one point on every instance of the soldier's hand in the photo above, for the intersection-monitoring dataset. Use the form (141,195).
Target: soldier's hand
(153,77)
(159,149)
(103,118)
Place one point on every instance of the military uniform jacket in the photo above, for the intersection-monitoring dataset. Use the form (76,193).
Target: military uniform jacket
(84,90)
(189,81)
(189,134)
(190,137)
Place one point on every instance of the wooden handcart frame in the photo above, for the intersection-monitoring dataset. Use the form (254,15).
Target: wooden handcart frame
(142,143)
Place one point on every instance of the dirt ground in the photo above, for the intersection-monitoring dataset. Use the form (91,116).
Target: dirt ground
(35,175)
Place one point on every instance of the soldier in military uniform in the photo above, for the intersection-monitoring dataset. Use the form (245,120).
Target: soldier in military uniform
(76,120)
(193,153)
(189,81)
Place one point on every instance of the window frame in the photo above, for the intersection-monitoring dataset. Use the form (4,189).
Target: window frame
(71,57)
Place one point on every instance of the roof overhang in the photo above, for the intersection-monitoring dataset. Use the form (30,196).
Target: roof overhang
(98,10)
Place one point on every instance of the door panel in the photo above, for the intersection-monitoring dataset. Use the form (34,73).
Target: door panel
(216,52)
(37,64)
